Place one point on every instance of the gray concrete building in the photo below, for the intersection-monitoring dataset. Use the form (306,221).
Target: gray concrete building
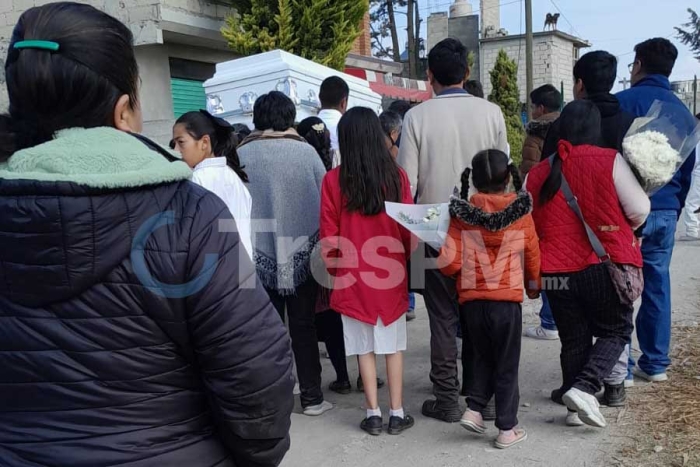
(555,52)
(178,43)
(689,92)
(461,24)
(555,55)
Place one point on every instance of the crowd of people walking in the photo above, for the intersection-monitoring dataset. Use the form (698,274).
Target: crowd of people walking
(155,305)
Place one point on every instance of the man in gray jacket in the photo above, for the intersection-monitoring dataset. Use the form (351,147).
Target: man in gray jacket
(440,137)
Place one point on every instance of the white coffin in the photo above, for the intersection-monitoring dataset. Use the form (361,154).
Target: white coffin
(236,85)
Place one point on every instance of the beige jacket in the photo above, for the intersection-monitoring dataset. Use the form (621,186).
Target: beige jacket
(441,136)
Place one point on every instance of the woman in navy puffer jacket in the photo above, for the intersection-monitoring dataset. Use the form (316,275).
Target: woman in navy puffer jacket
(132,331)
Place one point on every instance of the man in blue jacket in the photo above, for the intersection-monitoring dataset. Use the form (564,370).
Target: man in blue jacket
(650,72)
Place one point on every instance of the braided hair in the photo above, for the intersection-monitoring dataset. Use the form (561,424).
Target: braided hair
(491,173)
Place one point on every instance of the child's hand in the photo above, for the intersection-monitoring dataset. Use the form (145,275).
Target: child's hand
(533,294)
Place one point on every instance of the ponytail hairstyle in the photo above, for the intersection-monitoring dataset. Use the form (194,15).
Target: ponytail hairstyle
(221,134)
(369,175)
(579,123)
(76,84)
(491,173)
(315,132)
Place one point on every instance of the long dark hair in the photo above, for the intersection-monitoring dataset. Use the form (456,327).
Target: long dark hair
(222,135)
(315,132)
(369,175)
(579,123)
(491,173)
(77,85)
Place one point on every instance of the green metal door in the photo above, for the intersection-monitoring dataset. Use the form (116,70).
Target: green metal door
(188,95)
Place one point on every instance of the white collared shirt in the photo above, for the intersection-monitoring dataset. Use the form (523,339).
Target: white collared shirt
(217,177)
(331,118)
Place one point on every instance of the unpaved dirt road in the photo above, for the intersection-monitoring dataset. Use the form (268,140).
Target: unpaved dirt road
(335,439)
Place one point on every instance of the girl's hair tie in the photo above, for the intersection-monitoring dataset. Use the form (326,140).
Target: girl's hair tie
(38,45)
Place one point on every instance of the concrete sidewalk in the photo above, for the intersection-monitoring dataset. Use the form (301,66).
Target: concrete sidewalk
(335,439)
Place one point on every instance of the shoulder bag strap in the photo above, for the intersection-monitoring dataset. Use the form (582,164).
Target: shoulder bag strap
(573,204)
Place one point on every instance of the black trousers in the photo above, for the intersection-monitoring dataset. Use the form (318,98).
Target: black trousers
(440,296)
(329,328)
(589,308)
(301,311)
(495,330)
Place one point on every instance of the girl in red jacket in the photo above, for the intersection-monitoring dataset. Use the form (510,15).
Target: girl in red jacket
(493,250)
(366,253)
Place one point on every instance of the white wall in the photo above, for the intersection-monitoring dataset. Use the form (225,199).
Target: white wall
(553,63)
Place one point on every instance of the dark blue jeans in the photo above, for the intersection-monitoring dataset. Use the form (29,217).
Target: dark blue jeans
(546,318)
(654,317)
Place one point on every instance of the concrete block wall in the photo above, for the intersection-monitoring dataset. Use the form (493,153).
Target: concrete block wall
(515,48)
(437,29)
(563,62)
(553,62)
(490,15)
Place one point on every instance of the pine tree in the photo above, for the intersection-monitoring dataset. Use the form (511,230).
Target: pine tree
(383,25)
(505,93)
(691,37)
(318,30)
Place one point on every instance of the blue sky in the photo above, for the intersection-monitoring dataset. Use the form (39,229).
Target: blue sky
(612,25)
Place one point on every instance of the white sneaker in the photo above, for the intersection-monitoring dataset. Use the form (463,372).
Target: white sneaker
(689,238)
(541,333)
(629,382)
(317,410)
(658,378)
(587,407)
(296,391)
(572,419)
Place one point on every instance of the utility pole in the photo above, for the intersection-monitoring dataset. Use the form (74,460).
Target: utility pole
(529,52)
(624,82)
(695,95)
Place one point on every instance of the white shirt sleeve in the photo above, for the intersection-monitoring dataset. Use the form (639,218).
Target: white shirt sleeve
(633,199)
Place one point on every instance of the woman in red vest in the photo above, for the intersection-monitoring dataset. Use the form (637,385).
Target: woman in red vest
(584,300)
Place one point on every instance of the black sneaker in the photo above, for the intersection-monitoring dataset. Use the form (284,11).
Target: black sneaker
(445,413)
(340,387)
(557,396)
(398,425)
(614,395)
(489,412)
(372,425)
(361,385)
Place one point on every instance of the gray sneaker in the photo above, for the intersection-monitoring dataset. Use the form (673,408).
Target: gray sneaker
(317,410)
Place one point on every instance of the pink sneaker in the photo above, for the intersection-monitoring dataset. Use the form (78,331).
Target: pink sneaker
(473,421)
(507,439)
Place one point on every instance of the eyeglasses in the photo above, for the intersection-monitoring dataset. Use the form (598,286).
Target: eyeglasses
(631,66)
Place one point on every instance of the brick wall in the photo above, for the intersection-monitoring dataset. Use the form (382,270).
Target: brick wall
(363,44)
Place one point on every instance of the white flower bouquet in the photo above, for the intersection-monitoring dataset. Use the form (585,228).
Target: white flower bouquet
(655,147)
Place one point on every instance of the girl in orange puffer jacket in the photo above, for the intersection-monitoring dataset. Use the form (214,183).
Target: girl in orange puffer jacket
(493,249)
